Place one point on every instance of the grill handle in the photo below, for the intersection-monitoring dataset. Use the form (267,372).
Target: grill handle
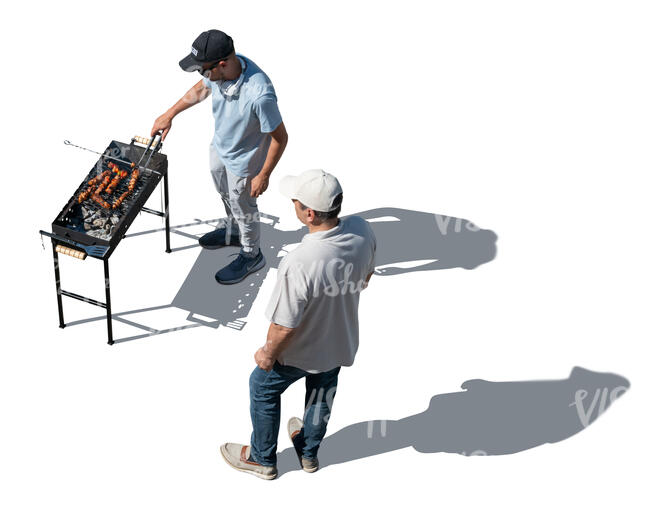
(142,140)
(93,250)
(72,252)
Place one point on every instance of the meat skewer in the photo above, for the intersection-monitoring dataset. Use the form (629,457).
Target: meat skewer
(134,179)
(86,193)
(120,173)
(98,199)
(120,199)
(92,184)
(116,168)
(109,185)
(99,178)
(101,187)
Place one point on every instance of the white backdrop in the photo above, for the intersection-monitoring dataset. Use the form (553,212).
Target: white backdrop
(529,119)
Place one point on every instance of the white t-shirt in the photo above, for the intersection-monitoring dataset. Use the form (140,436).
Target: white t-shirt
(317,292)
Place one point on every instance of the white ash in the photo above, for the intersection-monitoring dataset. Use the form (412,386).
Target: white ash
(97,225)
(98,233)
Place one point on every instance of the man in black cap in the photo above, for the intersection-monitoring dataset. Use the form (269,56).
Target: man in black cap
(248,141)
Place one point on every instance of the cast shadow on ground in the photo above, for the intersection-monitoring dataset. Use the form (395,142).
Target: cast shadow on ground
(407,241)
(426,241)
(486,419)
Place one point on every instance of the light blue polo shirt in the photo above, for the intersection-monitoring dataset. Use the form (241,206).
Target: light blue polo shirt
(243,122)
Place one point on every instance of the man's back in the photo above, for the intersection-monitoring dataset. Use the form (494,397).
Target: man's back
(317,293)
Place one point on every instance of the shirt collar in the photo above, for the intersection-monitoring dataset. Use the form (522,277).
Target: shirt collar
(324,234)
(243,63)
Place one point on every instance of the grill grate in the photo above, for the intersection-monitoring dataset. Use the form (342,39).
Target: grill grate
(90,223)
(121,187)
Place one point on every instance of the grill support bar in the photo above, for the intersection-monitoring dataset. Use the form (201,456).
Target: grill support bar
(163,213)
(60,292)
(152,211)
(82,298)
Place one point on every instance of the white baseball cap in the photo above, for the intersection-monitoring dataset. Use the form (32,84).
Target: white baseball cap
(315,188)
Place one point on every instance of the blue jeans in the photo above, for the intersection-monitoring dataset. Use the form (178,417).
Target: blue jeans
(265,390)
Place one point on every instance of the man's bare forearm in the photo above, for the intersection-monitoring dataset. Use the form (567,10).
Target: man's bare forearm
(279,139)
(277,339)
(194,95)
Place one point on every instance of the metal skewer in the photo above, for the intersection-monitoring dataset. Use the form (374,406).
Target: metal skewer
(68,143)
(131,164)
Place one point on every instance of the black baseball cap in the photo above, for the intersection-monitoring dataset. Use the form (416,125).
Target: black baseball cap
(208,47)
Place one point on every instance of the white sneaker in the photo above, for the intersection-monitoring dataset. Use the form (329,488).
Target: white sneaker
(294,426)
(237,456)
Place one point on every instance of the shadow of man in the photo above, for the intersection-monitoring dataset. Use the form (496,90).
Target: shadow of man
(434,241)
(487,418)
(403,236)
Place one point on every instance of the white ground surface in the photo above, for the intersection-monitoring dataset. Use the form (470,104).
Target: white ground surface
(528,119)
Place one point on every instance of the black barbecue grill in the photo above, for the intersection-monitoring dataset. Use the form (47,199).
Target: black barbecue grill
(88,229)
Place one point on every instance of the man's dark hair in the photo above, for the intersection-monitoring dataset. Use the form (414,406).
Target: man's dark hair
(328,215)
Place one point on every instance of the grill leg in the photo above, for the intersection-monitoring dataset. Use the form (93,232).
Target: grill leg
(109,315)
(166,211)
(57,280)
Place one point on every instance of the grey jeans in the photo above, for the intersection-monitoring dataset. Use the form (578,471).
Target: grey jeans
(241,209)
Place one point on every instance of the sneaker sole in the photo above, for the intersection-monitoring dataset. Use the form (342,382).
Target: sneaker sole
(257,267)
(252,472)
(214,247)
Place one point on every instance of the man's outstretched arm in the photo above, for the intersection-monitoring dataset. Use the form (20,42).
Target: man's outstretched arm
(194,95)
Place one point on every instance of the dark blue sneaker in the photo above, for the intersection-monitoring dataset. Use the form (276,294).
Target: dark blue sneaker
(240,268)
(218,238)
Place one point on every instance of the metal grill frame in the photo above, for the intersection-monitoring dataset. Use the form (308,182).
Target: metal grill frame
(65,236)
(131,206)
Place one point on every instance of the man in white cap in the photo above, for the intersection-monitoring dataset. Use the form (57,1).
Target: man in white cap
(314,326)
